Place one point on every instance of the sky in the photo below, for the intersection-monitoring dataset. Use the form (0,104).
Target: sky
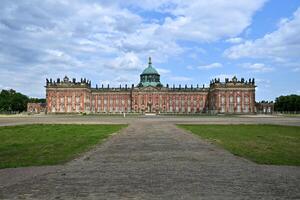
(190,42)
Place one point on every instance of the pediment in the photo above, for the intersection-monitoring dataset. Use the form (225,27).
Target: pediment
(149,88)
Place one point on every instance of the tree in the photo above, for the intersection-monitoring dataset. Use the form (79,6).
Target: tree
(36,100)
(287,103)
(12,101)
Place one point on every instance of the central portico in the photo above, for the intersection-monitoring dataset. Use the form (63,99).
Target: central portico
(149,84)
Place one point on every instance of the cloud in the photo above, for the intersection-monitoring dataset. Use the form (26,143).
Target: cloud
(126,61)
(297,69)
(162,71)
(263,82)
(210,20)
(257,67)
(210,66)
(284,43)
(235,40)
(99,39)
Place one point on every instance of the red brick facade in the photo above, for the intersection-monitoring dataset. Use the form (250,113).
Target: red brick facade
(221,97)
(36,107)
(233,96)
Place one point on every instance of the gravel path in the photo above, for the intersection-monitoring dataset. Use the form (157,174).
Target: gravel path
(95,119)
(153,159)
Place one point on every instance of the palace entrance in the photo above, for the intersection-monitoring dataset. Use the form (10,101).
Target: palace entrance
(149,107)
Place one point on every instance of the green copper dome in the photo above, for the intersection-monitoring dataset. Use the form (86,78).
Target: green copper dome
(150,77)
(149,69)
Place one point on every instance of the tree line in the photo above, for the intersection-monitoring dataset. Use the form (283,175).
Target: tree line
(14,102)
(289,103)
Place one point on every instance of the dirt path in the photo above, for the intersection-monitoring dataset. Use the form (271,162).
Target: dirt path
(156,160)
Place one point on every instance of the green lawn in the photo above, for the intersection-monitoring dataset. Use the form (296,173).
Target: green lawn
(263,144)
(32,145)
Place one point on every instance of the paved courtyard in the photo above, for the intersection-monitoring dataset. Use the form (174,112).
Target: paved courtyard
(152,159)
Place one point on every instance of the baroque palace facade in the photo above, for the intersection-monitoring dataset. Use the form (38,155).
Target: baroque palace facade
(150,96)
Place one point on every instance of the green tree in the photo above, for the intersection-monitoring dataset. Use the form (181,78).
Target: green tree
(37,100)
(12,101)
(287,103)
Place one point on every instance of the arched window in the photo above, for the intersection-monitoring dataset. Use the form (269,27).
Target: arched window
(223,99)
(231,104)
(238,99)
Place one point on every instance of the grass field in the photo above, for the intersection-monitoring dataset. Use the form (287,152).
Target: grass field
(33,145)
(263,144)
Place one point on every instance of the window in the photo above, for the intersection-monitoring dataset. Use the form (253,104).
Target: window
(238,99)
(231,105)
(246,99)
(143,100)
(53,101)
(223,100)
(62,108)
(246,104)
(223,108)
(238,108)
(69,109)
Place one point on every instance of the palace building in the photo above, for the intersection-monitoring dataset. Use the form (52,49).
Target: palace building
(150,96)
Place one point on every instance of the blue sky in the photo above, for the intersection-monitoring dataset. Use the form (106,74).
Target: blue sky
(190,42)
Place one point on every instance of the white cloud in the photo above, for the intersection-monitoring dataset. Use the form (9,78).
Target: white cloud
(263,81)
(257,67)
(235,40)
(263,84)
(162,71)
(127,61)
(284,43)
(210,66)
(210,20)
(99,39)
